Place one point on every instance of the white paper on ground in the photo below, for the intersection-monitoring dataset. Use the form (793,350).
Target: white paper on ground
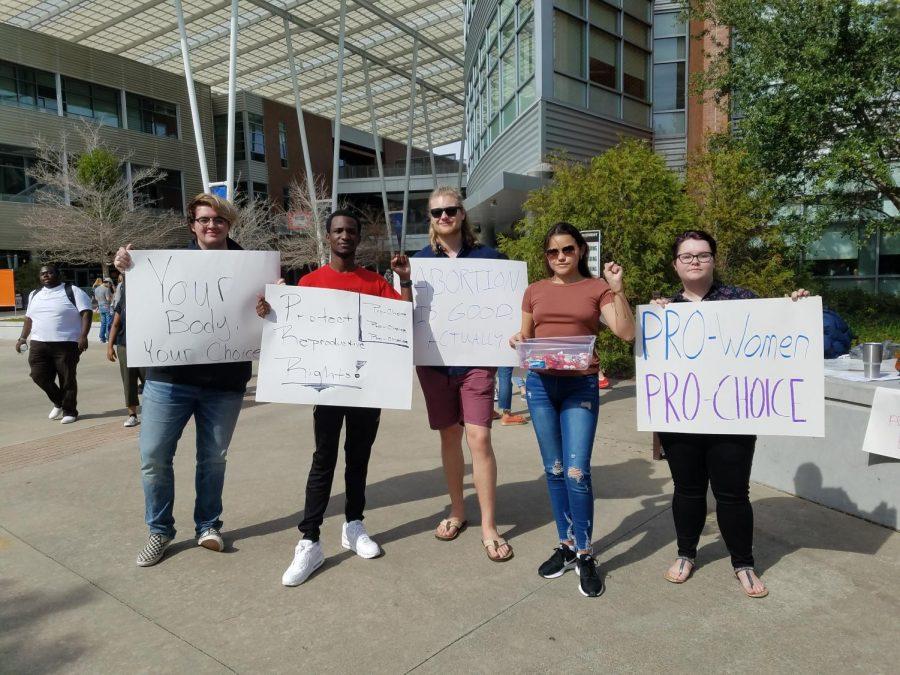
(188,307)
(883,430)
(321,346)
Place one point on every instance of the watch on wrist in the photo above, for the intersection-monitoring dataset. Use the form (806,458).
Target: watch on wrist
(406,284)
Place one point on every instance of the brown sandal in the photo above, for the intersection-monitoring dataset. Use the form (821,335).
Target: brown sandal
(496,544)
(456,523)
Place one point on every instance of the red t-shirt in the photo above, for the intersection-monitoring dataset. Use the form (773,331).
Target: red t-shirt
(359,280)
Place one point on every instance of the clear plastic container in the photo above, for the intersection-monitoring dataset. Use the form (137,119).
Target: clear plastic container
(558,353)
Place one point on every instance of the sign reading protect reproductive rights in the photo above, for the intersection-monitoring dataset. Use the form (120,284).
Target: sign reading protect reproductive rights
(466,310)
(731,367)
(190,307)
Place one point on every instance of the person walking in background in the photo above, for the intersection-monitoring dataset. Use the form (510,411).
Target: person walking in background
(103,295)
(58,319)
(460,400)
(699,461)
(131,377)
(504,399)
(564,404)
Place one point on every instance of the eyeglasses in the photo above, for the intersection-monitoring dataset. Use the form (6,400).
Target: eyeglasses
(688,258)
(566,251)
(449,210)
(206,220)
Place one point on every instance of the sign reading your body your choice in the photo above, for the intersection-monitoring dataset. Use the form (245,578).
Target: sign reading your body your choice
(731,367)
(191,307)
(466,309)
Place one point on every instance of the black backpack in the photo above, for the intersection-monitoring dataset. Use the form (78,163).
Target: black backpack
(70,294)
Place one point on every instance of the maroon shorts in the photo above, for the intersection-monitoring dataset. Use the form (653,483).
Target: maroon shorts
(458,399)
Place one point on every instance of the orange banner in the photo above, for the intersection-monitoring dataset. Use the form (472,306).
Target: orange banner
(7,289)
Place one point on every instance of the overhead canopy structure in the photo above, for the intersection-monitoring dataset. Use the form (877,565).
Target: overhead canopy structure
(382,32)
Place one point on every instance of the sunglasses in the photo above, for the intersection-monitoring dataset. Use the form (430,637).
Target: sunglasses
(566,251)
(449,210)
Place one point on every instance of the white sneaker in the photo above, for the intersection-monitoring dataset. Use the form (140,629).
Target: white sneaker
(55,413)
(308,557)
(355,538)
(68,419)
(132,421)
(211,538)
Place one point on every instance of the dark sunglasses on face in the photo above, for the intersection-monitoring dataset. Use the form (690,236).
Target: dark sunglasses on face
(449,210)
(566,251)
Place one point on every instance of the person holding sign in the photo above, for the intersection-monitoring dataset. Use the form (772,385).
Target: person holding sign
(698,460)
(210,393)
(564,404)
(461,399)
(342,232)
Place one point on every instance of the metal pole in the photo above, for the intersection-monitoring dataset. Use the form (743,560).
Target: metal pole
(304,143)
(377,142)
(232,91)
(428,139)
(462,146)
(409,135)
(337,107)
(192,96)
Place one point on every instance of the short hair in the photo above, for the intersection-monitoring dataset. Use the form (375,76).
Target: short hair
(345,213)
(51,266)
(224,208)
(698,235)
(468,234)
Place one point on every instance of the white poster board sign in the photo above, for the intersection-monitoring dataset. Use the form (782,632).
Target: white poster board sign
(883,431)
(466,310)
(190,307)
(592,239)
(731,367)
(321,346)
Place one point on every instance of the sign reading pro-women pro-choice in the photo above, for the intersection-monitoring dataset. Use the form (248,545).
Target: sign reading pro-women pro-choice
(466,309)
(731,367)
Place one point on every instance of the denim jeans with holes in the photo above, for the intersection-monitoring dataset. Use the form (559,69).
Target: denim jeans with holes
(564,414)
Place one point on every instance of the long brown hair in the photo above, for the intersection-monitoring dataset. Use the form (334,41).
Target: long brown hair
(468,234)
(575,233)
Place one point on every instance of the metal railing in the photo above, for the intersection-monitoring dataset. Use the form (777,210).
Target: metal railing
(421,166)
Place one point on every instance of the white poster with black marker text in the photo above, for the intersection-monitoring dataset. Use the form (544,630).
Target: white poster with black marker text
(322,346)
(466,309)
(189,307)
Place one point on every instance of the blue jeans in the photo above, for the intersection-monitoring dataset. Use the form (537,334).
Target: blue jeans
(166,410)
(564,414)
(105,323)
(505,381)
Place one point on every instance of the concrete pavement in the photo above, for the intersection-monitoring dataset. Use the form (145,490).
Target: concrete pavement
(71,524)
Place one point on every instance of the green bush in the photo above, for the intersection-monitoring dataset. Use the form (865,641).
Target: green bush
(872,318)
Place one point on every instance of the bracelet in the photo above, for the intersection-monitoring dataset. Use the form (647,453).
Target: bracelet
(406,284)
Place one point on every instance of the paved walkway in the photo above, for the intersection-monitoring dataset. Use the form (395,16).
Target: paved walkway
(71,598)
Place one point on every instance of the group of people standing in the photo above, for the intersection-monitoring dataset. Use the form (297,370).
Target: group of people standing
(564,408)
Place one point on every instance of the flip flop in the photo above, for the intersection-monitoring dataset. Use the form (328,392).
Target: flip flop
(456,523)
(496,544)
(746,570)
(684,561)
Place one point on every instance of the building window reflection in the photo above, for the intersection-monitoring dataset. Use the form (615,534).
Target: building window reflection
(669,74)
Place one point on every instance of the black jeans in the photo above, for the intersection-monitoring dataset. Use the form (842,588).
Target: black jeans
(362,427)
(722,461)
(52,360)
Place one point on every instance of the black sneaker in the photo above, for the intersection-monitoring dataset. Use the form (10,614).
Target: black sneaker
(589,582)
(562,560)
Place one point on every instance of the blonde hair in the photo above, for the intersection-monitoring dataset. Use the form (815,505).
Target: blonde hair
(468,234)
(223,208)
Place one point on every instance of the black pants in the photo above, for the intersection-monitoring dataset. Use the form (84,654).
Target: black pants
(130,377)
(362,427)
(52,360)
(698,461)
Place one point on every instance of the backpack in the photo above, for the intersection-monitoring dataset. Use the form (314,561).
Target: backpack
(70,294)
(836,334)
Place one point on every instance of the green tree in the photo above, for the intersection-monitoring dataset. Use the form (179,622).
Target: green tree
(816,86)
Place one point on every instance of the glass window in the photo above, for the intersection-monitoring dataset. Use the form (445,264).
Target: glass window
(494,86)
(260,191)
(526,95)
(286,197)
(604,102)
(604,16)
(889,254)
(508,66)
(15,183)
(568,42)
(164,194)
(669,49)
(506,7)
(638,8)
(257,139)
(220,125)
(635,112)
(574,6)
(509,114)
(668,86)
(602,61)
(525,7)
(94,101)
(667,25)
(508,32)
(568,90)
(151,116)
(282,145)
(635,31)
(668,124)
(634,70)
(526,51)
(27,87)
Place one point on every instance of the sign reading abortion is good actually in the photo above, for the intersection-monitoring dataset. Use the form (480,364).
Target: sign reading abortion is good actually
(192,307)
(466,309)
(335,348)
(732,367)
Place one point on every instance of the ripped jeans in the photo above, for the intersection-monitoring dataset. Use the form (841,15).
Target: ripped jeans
(564,415)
